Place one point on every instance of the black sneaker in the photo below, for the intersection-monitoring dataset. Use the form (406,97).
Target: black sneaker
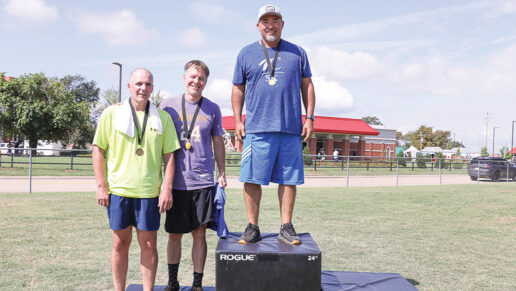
(251,234)
(172,287)
(288,235)
(196,288)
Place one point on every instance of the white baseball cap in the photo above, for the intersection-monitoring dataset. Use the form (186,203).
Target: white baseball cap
(269,9)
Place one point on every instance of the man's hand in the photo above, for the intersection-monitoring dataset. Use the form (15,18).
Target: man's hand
(308,129)
(103,196)
(240,131)
(222,181)
(165,201)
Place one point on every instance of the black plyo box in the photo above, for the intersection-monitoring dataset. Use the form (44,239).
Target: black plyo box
(268,264)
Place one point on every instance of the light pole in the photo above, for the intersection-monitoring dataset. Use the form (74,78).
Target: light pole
(512,137)
(119,81)
(494,130)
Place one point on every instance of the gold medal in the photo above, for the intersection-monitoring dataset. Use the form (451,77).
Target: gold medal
(139,152)
(188,145)
(272,81)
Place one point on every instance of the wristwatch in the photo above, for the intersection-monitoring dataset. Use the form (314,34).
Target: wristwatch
(312,117)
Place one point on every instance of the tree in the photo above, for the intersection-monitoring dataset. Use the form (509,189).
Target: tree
(109,97)
(483,152)
(442,139)
(86,92)
(40,108)
(372,120)
(422,137)
(425,136)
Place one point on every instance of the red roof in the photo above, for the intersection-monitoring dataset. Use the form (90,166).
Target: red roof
(513,151)
(8,78)
(324,124)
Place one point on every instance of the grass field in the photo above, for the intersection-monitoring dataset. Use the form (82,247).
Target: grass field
(459,237)
(81,166)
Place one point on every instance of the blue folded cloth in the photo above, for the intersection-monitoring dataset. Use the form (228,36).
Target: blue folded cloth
(219,224)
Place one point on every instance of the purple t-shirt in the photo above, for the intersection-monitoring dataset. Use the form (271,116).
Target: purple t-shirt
(194,167)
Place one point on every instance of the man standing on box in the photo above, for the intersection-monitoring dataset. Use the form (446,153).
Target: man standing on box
(199,123)
(132,141)
(273,77)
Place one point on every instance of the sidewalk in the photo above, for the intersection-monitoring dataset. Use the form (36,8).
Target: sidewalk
(17,184)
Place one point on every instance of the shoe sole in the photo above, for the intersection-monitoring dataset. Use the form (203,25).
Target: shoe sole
(244,242)
(294,243)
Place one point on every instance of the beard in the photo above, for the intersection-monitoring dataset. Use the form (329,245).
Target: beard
(271,38)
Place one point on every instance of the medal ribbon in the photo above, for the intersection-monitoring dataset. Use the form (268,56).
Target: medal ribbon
(135,120)
(188,131)
(272,68)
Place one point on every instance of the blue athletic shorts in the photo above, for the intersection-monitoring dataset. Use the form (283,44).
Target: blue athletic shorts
(272,157)
(142,213)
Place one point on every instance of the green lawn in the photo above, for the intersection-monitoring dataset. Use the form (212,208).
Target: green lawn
(81,166)
(453,237)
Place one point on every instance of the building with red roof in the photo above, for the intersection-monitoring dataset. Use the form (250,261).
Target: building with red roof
(351,137)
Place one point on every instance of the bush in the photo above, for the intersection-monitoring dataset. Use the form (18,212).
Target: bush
(457,164)
(307,159)
(420,161)
(440,161)
(402,162)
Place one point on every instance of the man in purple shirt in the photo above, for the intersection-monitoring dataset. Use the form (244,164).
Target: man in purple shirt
(198,123)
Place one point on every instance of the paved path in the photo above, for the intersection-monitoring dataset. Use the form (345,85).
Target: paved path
(87,184)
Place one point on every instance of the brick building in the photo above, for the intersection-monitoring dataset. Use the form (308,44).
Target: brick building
(351,137)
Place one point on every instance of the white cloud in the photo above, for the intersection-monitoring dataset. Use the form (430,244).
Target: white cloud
(343,66)
(219,91)
(193,38)
(117,28)
(211,12)
(36,11)
(330,97)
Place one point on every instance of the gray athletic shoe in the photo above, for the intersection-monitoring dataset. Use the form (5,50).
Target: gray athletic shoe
(196,288)
(250,235)
(288,235)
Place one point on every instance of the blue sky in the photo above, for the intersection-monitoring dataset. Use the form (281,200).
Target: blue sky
(437,63)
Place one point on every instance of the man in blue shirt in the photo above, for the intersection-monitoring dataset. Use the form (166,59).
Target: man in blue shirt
(273,77)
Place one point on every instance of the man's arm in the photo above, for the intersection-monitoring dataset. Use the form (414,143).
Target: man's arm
(237,101)
(308,96)
(165,198)
(220,159)
(99,168)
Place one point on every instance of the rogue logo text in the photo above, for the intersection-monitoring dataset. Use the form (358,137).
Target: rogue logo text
(230,257)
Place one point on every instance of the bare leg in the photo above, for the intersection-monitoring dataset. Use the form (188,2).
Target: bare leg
(119,256)
(252,198)
(199,248)
(148,257)
(287,198)
(174,248)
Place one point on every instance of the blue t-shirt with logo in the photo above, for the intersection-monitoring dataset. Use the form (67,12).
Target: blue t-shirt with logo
(272,108)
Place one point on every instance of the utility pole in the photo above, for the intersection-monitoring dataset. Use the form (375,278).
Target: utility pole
(494,130)
(487,126)
(512,138)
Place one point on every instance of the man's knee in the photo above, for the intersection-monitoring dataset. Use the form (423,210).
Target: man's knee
(147,240)
(199,234)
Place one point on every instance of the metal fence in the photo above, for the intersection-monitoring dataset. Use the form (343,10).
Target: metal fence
(51,162)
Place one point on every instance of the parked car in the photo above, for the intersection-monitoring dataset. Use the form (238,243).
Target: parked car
(491,168)
(3,147)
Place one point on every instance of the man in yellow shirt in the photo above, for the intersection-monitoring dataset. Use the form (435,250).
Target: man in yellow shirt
(133,138)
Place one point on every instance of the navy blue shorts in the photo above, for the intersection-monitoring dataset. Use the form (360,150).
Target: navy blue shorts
(142,213)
